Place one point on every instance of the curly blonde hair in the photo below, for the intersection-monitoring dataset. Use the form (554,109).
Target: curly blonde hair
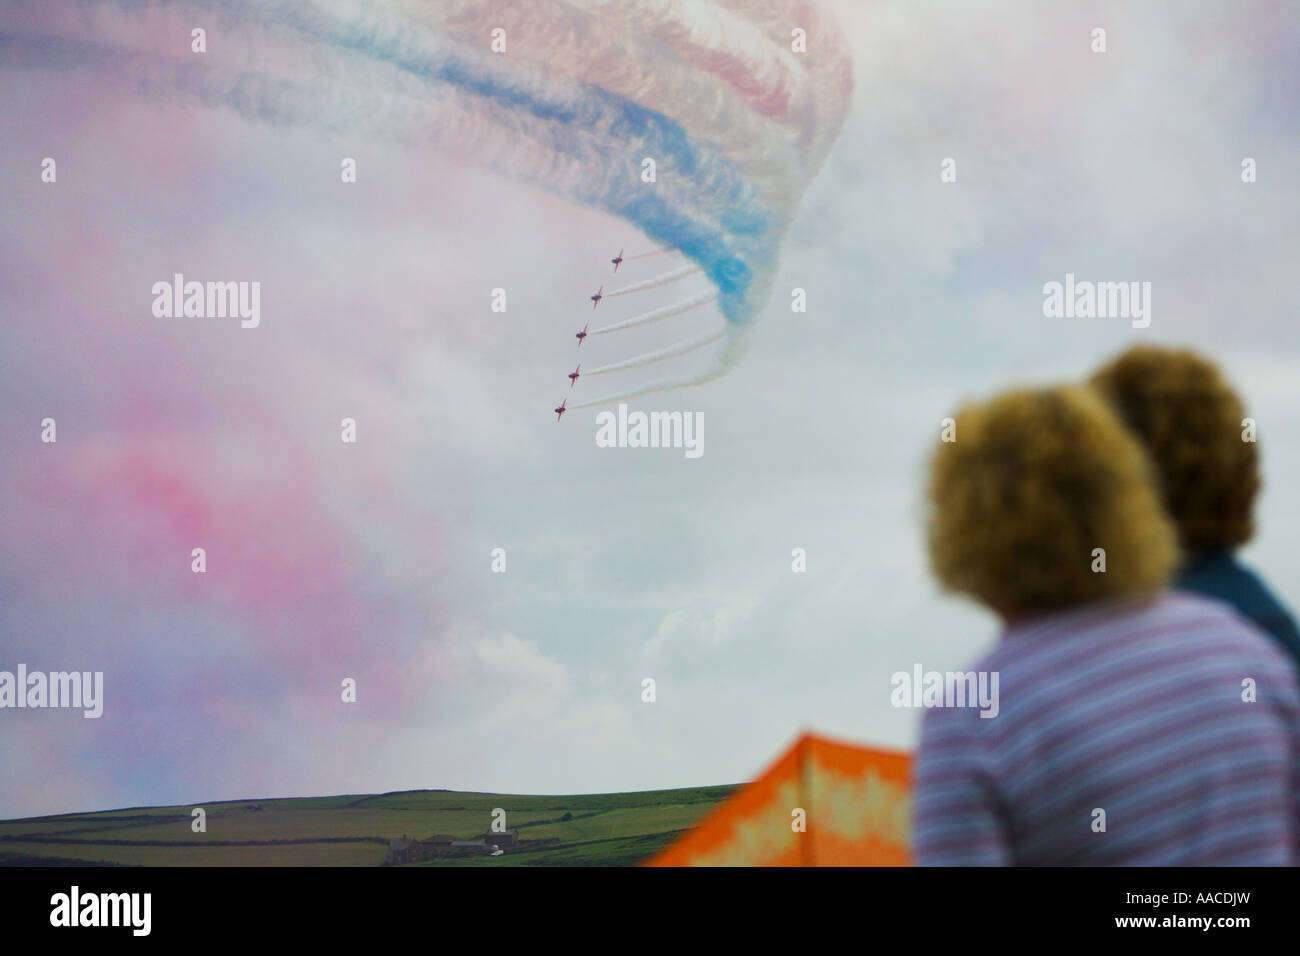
(1035,480)
(1190,419)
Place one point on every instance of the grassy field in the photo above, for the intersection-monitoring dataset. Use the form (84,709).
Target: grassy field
(607,829)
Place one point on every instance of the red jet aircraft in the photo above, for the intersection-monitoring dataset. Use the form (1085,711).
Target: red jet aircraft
(617,260)
(573,376)
(581,335)
(595,299)
(559,412)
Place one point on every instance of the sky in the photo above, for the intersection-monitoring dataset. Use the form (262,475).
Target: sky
(372,560)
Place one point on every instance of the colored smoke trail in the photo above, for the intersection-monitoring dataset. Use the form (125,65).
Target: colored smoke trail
(646,255)
(737,122)
(655,315)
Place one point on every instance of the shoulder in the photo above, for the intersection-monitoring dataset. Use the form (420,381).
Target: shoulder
(1224,577)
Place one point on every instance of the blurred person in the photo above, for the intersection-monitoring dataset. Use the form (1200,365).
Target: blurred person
(1135,725)
(1191,422)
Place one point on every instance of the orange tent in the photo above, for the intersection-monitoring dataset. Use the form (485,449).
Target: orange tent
(822,803)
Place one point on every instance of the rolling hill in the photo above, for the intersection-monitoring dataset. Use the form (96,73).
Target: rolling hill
(613,829)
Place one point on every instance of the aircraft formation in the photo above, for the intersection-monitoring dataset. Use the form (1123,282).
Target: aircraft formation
(683,271)
(595,301)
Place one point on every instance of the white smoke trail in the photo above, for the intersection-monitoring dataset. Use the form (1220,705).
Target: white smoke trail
(733,347)
(677,308)
(649,358)
(666,279)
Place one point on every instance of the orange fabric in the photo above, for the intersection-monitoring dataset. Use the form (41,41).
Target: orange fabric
(856,807)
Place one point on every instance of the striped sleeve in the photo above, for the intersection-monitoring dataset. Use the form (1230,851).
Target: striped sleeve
(1292,718)
(1295,791)
(1279,685)
(955,820)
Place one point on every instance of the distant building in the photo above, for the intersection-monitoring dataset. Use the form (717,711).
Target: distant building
(506,838)
(405,851)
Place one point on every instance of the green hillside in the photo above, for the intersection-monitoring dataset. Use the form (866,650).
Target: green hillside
(608,829)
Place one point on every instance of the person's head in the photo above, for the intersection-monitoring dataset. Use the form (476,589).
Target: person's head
(1190,420)
(1034,483)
